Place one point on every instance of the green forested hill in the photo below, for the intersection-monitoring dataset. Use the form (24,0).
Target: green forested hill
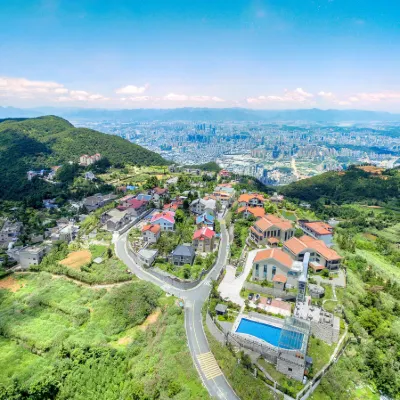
(346,187)
(45,141)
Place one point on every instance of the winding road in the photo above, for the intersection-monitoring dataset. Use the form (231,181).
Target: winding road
(206,365)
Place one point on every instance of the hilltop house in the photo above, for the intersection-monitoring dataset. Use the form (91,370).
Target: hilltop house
(151,233)
(271,229)
(86,160)
(251,200)
(318,230)
(183,254)
(133,206)
(274,265)
(165,219)
(10,232)
(321,256)
(203,240)
(32,255)
(159,194)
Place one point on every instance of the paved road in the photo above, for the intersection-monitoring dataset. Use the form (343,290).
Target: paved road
(207,367)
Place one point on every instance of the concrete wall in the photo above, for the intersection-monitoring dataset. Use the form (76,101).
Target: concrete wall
(325,331)
(264,289)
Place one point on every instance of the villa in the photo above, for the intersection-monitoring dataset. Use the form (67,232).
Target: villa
(151,233)
(273,265)
(256,212)
(270,229)
(321,256)
(318,230)
(251,200)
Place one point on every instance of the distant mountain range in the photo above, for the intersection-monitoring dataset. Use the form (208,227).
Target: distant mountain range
(204,114)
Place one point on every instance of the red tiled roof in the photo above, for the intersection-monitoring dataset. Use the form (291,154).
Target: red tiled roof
(152,228)
(255,211)
(297,245)
(167,215)
(203,232)
(276,254)
(246,197)
(273,240)
(159,190)
(279,278)
(319,227)
(281,304)
(269,220)
(135,203)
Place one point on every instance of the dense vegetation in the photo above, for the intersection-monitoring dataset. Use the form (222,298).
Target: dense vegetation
(354,185)
(62,341)
(46,141)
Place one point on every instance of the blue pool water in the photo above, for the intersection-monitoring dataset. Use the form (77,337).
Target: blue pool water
(269,333)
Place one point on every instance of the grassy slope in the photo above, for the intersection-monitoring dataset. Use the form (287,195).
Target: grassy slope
(54,329)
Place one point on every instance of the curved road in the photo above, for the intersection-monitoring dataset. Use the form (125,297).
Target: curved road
(212,377)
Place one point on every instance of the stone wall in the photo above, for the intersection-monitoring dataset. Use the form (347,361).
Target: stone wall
(291,366)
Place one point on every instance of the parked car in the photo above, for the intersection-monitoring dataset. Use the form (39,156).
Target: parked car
(250,296)
(269,299)
(256,297)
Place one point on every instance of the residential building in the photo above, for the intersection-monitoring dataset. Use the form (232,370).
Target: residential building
(133,206)
(321,256)
(10,232)
(226,199)
(165,219)
(274,265)
(159,194)
(318,230)
(205,220)
(146,257)
(151,233)
(251,200)
(31,256)
(206,205)
(256,212)
(98,200)
(224,173)
(115,219)
(276,198)
(271,226)
(86,160)
(144,197)
(90,176)
(203,240)
(183,254)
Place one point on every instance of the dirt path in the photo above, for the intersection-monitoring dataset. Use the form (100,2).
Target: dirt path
(80,283)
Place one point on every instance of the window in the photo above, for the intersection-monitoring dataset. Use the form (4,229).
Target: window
(290,369)
(256,267)
(265,272)
(273,271)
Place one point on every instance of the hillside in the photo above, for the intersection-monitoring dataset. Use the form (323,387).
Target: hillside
(46,141)
(344,187)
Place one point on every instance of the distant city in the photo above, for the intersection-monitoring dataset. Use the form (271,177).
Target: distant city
(276,154)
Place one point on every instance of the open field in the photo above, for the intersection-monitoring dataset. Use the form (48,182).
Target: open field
(77,259)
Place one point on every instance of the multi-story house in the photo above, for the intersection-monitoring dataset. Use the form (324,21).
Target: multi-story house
(321,256)
(183,254)
(203,240)
(270,229)
(165,219)
(318,230)
(274,265)
(151,233)
(251,200)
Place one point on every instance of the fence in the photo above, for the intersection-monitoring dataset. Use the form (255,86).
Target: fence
(265,290)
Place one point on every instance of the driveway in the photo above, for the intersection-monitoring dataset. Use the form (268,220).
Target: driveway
(230,286)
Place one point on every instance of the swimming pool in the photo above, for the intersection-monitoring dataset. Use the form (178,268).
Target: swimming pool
(268,333)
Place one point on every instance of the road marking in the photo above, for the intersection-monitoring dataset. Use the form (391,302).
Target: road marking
(209,365)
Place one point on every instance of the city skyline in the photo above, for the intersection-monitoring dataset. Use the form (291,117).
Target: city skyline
(252,54)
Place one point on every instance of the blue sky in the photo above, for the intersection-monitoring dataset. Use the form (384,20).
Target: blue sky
(212,53)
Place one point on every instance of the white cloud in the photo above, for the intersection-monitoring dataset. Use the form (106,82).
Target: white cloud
(176,97)
(326,95)
(131,89)
(297,96)
(344,103)
(378,96)
(354,98)
(206,99)
(137,98)
(23,88)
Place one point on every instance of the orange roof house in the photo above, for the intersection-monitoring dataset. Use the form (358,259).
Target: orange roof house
(276,254)
(256,212)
